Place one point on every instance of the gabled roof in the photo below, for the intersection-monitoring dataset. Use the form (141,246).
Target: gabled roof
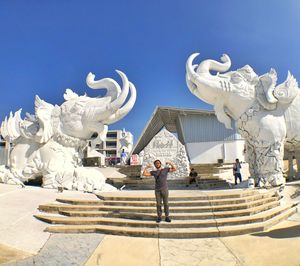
(163,117)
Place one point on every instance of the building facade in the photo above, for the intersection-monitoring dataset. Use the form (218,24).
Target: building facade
(206,139)
(116,141)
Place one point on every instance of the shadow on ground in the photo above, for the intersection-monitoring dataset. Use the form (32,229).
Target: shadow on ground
(289,232)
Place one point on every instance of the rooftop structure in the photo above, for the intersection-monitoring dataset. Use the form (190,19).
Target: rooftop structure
(205,138)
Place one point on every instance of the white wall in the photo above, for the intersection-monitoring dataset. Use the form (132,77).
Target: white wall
(227,173)
(210,152)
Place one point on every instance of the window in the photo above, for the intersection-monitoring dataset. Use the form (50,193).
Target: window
(99,146)
(112,135)
(111,144)
(111,153)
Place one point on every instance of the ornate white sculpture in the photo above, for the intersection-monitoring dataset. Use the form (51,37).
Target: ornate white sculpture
(266,114)
(51,142)
(166,147)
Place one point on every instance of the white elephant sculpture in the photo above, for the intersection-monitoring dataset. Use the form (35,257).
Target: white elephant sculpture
(51,142)
(266,114)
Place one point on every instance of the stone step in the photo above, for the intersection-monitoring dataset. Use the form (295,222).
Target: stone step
(151,180)
(181,185)
(171,203)
(177,216)
(178,187)
(260,217)
(197,215)
(252,228)
(202,172)
(175,184)
(210,165)
(170,184)
(128,188)
(85,213)
(175,209)
(202,169)
(80,201)
(177,195)
(169,232)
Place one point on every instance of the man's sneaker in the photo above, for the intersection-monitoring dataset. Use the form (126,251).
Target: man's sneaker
(158,220)
(168,220)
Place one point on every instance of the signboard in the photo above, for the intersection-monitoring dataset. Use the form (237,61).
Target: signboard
(134,159)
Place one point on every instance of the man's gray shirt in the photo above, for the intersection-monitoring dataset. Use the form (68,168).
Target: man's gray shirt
(160,178)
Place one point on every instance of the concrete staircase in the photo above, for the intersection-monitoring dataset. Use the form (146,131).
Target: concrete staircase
(131,170)
(193,213)
(208,173)
(209,170)
(147,183)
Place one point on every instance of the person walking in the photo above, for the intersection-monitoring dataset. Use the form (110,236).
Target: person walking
(123,157)
(237,171)
(161,187)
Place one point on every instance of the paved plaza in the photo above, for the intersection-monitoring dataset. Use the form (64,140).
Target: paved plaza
(24,242)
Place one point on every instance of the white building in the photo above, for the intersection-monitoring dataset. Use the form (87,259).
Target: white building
(116,141)
(206,139)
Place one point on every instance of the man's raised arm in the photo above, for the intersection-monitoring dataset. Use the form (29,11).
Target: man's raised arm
(173,167)
(146,172)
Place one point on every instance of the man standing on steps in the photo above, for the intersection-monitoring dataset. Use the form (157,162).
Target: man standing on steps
(161,186)
(237,171)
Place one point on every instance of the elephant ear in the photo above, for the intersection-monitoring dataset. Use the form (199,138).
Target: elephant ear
(43,112)
(265,88)
(69,95)
(288,90)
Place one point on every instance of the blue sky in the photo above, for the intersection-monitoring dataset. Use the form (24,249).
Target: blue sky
(48,46)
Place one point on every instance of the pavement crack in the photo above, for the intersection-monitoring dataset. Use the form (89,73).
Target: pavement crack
(159,254)
(239,262)
(213,214)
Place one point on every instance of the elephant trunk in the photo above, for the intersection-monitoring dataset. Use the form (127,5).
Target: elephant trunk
(102,108)
(113,88)
(123,111)
(201,83)
(207,65)
(118,102)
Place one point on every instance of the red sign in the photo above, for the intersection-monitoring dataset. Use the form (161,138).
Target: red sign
(134,159)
